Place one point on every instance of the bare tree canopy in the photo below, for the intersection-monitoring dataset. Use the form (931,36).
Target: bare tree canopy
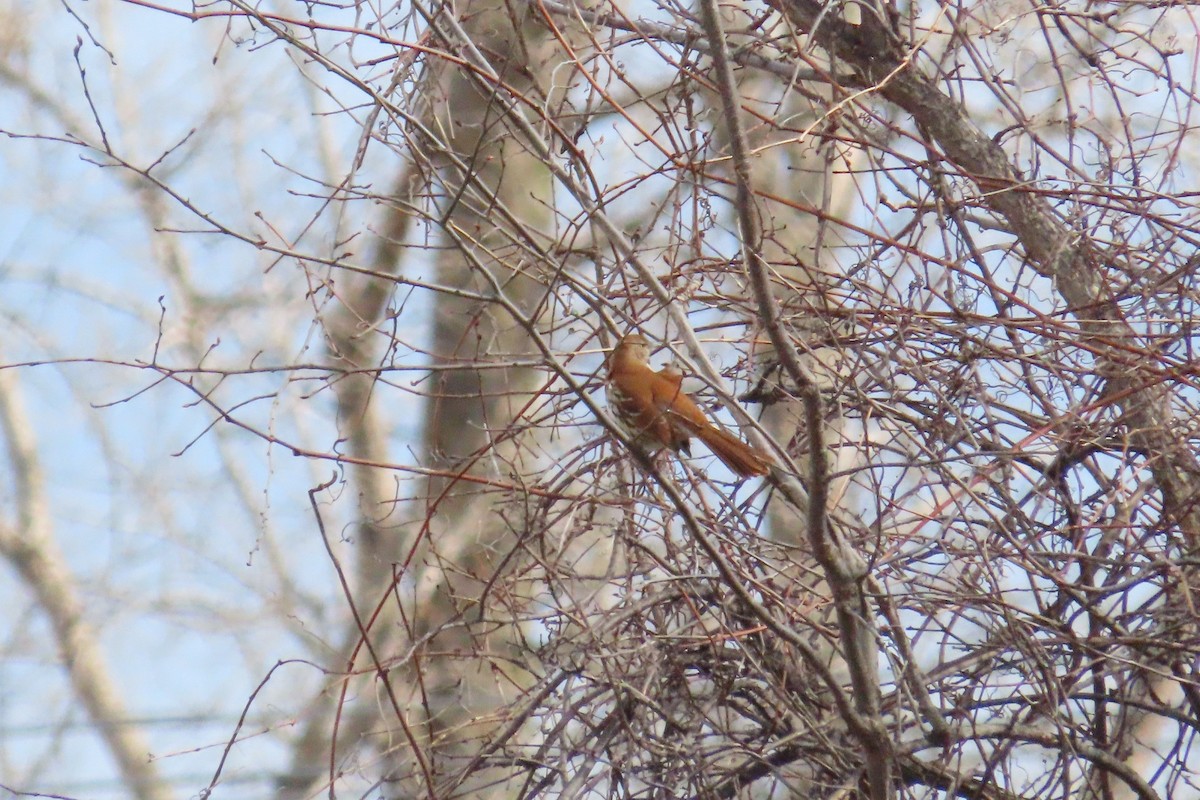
(311,483)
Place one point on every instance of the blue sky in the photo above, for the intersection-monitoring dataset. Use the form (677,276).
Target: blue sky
(194,548)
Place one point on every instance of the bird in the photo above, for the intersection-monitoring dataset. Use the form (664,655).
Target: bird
(652,409)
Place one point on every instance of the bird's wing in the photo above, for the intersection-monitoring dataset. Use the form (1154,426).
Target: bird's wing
(677,406)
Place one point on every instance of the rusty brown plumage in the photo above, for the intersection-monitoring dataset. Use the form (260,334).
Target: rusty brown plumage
(653,410)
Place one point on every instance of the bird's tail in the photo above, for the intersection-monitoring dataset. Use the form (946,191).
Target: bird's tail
(734,453)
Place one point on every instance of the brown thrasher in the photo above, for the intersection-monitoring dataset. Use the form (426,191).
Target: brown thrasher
(653,410)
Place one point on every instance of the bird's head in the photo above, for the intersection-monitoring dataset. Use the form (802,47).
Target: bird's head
(633,346)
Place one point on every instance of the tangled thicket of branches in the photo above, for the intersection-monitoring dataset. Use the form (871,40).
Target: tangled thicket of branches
(939,260)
